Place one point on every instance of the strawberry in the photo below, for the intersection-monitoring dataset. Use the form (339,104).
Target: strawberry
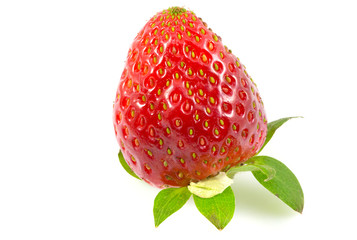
(185,108)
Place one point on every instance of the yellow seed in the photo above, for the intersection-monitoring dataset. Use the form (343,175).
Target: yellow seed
(182,160)
(169,151)
(206,124)
(211,99)
(177,76)
(193,55)
(197,39)
(191,131)
(159,116)
(149,153)
(215,38)
(187,85)
(216,66)
(228,79)
(177,123)
(210,46)
(200,92)
(221,122)
(196,116)
(204,58)
(189,71)
(216,131)
(168,131)
(203,31)
(208,110)
(201,72)
(211,79)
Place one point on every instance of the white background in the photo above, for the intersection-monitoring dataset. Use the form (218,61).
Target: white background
(60,63)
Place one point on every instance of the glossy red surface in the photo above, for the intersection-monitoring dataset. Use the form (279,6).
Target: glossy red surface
(185,107)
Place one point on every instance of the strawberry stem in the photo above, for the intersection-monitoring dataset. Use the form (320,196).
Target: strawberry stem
(176,10)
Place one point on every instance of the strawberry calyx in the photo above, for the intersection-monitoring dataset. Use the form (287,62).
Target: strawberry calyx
(214,197)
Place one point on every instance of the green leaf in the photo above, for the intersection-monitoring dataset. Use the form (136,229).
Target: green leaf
(169,201)
(284,185)
(126,166)
(219,209)
(272,127)
(268,171)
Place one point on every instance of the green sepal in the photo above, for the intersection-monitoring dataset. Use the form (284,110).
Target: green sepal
(219,209)
(126,166)
(268,171)
(272,127)
(284,185)
(168,201)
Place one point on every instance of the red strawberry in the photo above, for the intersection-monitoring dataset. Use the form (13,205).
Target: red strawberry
(185,108)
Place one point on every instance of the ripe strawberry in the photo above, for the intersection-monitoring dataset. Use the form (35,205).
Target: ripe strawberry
(185,108)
